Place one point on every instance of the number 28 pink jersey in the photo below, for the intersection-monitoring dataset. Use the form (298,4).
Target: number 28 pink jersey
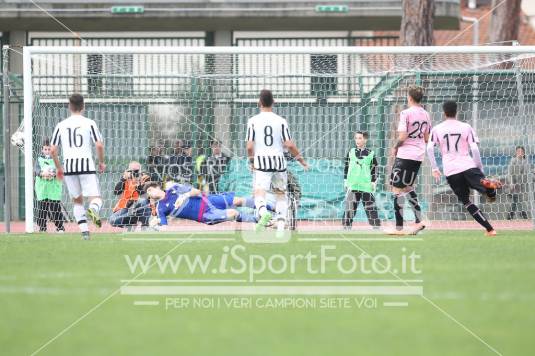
(415,121)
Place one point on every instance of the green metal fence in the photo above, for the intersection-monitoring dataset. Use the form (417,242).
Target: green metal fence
(322,127)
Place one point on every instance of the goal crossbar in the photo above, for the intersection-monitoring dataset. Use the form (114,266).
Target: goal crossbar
(281,50)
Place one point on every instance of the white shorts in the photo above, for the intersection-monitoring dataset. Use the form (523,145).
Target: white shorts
(270,180)
(82,184)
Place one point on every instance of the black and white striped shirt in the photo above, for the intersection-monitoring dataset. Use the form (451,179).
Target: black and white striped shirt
(76,134)
(268,131)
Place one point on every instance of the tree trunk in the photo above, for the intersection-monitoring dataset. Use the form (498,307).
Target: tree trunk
(505,21)
(417,23)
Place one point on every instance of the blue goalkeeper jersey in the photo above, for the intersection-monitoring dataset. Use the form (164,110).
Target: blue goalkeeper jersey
(189,210)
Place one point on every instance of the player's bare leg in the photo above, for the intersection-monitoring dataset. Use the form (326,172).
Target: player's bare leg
(239,201)
(248,202)
(79,215)
(245,202)
(93,212)
(240,216)
(232,214)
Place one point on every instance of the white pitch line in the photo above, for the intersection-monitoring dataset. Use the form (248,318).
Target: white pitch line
(448,315)
(83,316)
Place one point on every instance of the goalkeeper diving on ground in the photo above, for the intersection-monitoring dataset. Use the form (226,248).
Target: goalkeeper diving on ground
(185,202)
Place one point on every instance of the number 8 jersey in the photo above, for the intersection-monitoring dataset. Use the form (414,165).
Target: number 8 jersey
(268,131)
(416,123)
(76,134)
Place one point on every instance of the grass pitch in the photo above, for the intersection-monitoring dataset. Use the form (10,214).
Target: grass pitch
(60,295)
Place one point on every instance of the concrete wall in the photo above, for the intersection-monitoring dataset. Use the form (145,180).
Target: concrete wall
(205,15)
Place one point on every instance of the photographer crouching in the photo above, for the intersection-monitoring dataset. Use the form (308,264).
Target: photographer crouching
(131,207)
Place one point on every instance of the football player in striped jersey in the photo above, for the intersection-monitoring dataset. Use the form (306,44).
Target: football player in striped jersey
(268,137)
(76,134)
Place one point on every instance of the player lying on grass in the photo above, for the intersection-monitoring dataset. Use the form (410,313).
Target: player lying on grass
(185,202)
(463,172)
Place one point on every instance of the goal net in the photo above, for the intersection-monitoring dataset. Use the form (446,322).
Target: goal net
(182,112)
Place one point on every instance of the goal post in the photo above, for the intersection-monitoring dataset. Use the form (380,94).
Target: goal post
(148,99)
(28,138)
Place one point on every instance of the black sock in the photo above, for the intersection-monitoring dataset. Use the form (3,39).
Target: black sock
(413,200)
(346,221)
(478,216)
(398,210)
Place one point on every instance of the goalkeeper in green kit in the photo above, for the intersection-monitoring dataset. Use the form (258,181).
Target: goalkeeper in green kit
(360,177)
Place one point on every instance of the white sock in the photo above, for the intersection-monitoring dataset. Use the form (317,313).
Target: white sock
(281,207)
(260,206)
(96,204)
(281,224)
(79,215)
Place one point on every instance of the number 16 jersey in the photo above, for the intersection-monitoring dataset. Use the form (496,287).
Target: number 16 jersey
(76,134)
(416,123)
(268,131)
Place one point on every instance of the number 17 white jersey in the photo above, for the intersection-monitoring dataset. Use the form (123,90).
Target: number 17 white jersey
(269,131)
(76,135)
